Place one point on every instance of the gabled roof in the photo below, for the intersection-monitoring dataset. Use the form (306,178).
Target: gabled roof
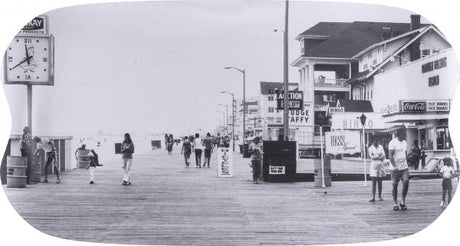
(366,75)
(323,29)
(354,38)
(345,40)
(355,105)
(266,87)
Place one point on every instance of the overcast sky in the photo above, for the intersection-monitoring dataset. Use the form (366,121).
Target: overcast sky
(148,67)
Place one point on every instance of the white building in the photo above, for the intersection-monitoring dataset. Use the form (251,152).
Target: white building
(410,80)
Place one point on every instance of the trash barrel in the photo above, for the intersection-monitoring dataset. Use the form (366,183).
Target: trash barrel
(35,172)
(83,158)
(246,151)
(16,172)
(279,161)
(318,172)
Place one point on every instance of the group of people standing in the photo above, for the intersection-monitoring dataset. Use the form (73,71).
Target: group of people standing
(400,170)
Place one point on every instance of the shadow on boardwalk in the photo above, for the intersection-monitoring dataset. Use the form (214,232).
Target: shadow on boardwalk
(170,204)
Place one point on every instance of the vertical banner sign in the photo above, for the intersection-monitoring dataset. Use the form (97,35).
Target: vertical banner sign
(224,162)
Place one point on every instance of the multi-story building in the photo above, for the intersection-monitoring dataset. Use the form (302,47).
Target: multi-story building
(271,118)
(333,53)
(410,80)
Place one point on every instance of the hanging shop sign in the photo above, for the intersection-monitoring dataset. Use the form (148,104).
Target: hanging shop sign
(333,110)
(301,117)
(425,106)
(224,162)
(343,142)
(295,99)
(351,121)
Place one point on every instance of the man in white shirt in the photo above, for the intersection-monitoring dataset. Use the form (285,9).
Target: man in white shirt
(398,158)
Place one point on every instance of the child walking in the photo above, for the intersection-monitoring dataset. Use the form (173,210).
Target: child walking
(447,171)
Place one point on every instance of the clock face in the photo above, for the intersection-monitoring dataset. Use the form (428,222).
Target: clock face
(28,59)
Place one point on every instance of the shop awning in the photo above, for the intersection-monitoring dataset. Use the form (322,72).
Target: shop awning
(404,118)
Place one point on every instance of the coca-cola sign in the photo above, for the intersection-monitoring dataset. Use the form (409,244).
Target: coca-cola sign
(414,106)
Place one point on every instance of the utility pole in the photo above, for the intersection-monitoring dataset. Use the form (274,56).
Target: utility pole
(286,76)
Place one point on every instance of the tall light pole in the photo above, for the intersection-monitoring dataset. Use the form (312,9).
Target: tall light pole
(244,98)
(226,117)
(286,76)
(223,116)
(233,116)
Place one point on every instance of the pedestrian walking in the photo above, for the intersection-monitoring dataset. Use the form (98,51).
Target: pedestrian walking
(170,144)
(93,163)
(208,146)
(50,154)
(447,171)
(186,150)
(166,141)
(255,149)
(398,158)
(198,149)
(127,150)
(376,172)
(26,150)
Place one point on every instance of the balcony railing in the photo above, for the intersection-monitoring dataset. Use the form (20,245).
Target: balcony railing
(329,82)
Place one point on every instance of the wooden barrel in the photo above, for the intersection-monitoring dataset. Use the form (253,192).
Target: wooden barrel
(327,178)
(83,158)
(16,171)
(35,172)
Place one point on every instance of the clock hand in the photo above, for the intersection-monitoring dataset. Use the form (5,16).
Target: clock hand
(25,60)
(27,55)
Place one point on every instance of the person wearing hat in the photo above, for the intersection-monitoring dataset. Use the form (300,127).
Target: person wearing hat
(255,149)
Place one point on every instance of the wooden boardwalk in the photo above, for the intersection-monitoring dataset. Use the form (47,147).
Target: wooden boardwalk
(170,204)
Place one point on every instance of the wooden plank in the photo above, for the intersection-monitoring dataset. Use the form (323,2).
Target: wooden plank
(170,204)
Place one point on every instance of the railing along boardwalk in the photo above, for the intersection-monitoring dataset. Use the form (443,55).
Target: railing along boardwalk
(170,204)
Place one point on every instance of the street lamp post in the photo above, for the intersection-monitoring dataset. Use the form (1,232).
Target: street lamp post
(244,98)
(223,116)
(363,118)
(233,116)
(226,117)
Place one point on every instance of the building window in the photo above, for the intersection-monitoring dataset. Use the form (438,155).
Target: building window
(271,109)
(271,98)
(365,66)
(443,138)
(369,56)
(270,120)
(433,81)
(279,120)
(425,52)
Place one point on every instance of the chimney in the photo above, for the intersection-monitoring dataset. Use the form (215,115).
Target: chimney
(414,22)
(414,48)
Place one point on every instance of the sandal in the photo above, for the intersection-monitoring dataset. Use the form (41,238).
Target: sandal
(372,200)
(395,207)
(403,206)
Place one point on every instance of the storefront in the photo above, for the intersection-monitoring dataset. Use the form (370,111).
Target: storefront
(427,124)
